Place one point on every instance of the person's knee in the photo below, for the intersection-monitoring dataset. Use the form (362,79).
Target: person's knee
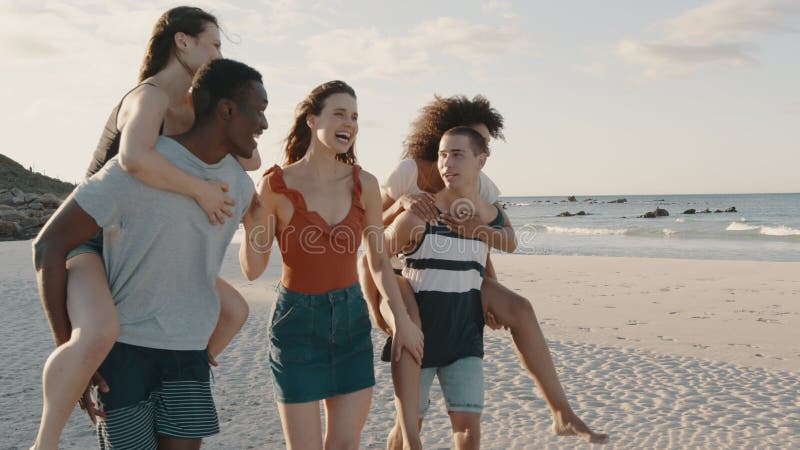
(96,341)
(467,433)
(521,307)
(520,311)
(466,424)
(468,438)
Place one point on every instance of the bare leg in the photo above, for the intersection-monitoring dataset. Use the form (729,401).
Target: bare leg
(516,312)
(405,373)
(95,328)
(396,436)
(302,428)
(395,439)
(168,443)
(466,430)
(345,418)
(233,314)
(405,377)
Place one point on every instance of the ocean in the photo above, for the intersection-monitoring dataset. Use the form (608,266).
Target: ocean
(764,227)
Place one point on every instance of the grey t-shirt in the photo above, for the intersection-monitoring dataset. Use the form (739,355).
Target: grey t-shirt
(162,254)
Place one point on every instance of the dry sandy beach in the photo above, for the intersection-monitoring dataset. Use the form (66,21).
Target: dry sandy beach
(659,353)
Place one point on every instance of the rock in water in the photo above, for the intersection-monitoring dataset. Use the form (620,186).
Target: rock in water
(659,212)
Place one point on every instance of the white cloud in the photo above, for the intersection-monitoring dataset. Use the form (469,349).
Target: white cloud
(499,8)
(719,32)
(661,59)
(359,53)
(274,22)
(595,68)
(464,40)
(732,21)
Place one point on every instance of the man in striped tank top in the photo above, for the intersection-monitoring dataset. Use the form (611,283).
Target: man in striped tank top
(446,270)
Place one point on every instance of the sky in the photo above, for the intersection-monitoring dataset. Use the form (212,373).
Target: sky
(618,97)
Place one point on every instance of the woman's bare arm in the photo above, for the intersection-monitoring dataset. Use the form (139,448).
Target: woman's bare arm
(140,118)
(406,333)
(503,239)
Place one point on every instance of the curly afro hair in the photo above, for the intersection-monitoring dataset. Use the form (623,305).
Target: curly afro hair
(444,113)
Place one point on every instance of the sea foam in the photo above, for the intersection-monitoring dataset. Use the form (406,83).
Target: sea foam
(586,231)
(780,231)
(738,226)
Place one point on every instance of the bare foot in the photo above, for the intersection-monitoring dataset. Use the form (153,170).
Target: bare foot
(569,424)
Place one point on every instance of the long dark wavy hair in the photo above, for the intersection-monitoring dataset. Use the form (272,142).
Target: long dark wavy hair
(181,19)
(444,113)
(299,138)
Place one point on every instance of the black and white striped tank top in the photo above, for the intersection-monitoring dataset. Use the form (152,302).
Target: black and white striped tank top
(446,271)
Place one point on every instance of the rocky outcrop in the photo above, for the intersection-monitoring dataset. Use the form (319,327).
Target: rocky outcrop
(732,209)
(690,211)
(569,214)
(619,200)
(14,177)
(27,199)
(658,212)
(22,214)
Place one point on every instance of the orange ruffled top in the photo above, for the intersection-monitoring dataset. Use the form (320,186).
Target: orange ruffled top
(318,257)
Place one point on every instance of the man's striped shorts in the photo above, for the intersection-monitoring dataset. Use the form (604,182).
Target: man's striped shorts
(155,392)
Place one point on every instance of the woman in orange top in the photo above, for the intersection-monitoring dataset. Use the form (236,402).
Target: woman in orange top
(320,206)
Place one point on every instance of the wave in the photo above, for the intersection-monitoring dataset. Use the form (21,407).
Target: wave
(738,226)
(667,232)
(780,231)
(586,231)
(680,220)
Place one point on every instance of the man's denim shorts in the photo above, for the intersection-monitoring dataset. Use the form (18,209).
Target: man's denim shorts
(93,245)
(461,382)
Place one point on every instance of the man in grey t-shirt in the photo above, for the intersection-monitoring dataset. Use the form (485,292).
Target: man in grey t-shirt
(162,256)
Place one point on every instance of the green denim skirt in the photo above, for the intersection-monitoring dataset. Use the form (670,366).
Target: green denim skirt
(320,344)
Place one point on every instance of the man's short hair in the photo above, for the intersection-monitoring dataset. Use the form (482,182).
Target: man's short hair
(476,140)
(216,80)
